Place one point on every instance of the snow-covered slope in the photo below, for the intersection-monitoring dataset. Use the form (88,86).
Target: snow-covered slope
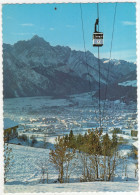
(121,67)
(25,174)
(127,186)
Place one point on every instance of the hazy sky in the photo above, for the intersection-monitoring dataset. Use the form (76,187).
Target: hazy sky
(63,26)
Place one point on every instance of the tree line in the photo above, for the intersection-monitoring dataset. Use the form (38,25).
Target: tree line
(98,155)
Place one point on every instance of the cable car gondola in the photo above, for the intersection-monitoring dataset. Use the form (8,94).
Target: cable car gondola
(97,36)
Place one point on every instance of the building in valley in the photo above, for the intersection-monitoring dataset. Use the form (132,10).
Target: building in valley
(10,129)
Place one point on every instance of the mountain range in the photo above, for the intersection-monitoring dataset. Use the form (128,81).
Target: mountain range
(35,68)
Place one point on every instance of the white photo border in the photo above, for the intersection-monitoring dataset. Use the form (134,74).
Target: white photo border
(2,2)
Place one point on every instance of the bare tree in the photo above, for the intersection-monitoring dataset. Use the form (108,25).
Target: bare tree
(85,167)
(69,157)
(8,156)
(43,166)
(60,157)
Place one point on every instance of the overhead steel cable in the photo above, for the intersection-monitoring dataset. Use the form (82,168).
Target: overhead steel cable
(99,72)
(98,14)
(99,88)
(90,89)
(108,71)
(85,45)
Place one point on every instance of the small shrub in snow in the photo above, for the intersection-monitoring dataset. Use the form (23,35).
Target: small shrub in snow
(116,131)
(33,140)
(23,137)
(43,168)
(122,140)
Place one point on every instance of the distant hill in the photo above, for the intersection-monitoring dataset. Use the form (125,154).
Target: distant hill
(116,92)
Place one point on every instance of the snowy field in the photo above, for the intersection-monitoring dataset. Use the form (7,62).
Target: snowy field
(25,174)
(75,187)
(44,115)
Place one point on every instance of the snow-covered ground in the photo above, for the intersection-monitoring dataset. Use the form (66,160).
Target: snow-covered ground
(44,115)
(75,187)
(26,173)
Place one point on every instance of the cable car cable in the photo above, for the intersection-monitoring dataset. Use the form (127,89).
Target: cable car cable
(98,14)
(85,52)
(98,42)
(99,88)
(99,72)
(84,44)
(85,48)
(110,58)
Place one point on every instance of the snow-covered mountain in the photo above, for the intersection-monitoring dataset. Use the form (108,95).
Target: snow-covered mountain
(35,68)
(129,83)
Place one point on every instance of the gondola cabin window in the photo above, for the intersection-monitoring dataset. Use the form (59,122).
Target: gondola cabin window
(98,39)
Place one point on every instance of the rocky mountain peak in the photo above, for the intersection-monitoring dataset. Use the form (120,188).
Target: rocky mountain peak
(38,40)
(34,67)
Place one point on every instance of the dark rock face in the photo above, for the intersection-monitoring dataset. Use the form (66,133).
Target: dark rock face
(35,68)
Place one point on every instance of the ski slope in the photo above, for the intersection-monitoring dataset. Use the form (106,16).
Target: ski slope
(25,175)
(75,187)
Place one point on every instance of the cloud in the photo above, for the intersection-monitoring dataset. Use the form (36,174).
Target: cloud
(22,34)
(27,24)
(69,26)
(51,28)
(128,23)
